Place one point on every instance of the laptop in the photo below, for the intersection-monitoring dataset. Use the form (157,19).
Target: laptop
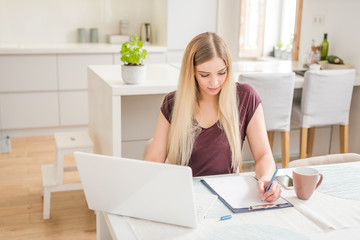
(135,188)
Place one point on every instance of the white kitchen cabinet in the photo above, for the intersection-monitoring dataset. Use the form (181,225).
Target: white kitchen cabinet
(21,73)
(152,58)
(73,108)
(73,69)
(46,88)
(29,110)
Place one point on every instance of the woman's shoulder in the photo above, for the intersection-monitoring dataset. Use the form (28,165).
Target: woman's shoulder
(244,88)
(169,98)
(168,105)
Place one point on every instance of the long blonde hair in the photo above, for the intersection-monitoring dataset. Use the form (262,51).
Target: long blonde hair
(184,129)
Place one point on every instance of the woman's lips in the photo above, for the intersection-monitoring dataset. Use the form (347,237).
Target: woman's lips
(213,89)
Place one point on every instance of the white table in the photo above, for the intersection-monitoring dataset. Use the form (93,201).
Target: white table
(321,217)
(106,90)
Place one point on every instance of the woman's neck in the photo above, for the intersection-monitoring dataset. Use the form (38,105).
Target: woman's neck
(207,114)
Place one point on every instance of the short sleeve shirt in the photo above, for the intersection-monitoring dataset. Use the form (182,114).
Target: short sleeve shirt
(211,153)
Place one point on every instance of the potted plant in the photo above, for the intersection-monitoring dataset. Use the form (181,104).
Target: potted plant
(133,56)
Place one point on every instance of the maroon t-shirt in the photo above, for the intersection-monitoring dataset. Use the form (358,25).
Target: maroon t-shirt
(211,152)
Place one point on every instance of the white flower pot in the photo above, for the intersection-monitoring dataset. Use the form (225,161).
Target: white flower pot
(133,74)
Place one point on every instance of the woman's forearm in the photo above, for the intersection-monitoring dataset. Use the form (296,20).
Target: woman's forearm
(265,166)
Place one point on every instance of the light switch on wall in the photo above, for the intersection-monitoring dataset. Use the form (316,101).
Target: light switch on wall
(318,20)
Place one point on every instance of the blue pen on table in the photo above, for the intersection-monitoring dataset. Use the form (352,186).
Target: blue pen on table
(225,217)
(272,179)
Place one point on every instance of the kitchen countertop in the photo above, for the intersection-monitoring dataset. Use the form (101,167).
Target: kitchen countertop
(68,48)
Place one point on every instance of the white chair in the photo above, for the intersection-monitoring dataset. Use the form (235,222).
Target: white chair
(53,174)
(327,159)
(276,91)
(325,100)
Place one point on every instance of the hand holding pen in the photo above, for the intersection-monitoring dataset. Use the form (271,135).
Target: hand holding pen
(269,191)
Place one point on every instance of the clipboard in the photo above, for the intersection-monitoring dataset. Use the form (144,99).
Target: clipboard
(240,194)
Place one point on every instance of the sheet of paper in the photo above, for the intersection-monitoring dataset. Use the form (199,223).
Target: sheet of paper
(238,191)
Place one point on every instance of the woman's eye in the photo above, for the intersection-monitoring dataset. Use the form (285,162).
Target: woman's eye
(204,75)
(222,73)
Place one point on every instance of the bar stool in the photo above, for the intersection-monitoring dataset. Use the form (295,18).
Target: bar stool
(325,100)
(53,174)
(276,92)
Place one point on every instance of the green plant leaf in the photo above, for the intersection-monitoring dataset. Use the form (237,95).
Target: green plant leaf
(132,52)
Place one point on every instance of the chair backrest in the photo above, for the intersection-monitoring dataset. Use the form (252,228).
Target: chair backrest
(276,92)
(327,159)
(326,97)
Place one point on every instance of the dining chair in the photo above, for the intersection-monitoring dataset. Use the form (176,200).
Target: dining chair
(325,101)
(327,159)
(276,92)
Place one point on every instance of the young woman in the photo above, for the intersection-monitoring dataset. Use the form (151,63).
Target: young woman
(204,123)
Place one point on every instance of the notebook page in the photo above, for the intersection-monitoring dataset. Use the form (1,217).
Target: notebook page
(239,191)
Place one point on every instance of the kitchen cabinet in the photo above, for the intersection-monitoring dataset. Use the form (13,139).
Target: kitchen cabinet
(28,91)
(73,108)
(29,110)
(46,87)
(21,73)
(73,68)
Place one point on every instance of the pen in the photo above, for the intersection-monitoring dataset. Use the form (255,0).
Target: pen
(225,217)
(272,179)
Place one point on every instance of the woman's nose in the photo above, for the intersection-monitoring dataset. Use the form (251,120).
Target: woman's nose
(214,80)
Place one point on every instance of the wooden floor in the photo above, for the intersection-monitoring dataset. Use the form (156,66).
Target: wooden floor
(21,200)
(21,205)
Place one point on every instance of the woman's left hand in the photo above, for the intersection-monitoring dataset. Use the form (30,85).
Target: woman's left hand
(272,194)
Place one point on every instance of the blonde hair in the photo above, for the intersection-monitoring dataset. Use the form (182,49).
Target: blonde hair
(184,129)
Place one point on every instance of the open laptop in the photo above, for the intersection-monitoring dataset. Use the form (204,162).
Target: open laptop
(147,190)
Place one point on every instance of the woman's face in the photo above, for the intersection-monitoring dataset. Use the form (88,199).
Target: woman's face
(211,76)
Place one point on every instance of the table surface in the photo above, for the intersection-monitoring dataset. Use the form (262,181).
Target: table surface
(160,79)
(332,211)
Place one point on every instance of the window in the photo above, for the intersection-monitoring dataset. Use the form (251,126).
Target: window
(252,19)
(264,24)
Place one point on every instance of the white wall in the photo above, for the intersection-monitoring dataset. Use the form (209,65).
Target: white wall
(56,21)
(228,25)
(341,22)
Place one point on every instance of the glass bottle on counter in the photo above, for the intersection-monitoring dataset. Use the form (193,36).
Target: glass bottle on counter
(324,48)
(314,54)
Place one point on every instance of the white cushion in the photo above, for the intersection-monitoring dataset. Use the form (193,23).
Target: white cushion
(276,92)
(326,98)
